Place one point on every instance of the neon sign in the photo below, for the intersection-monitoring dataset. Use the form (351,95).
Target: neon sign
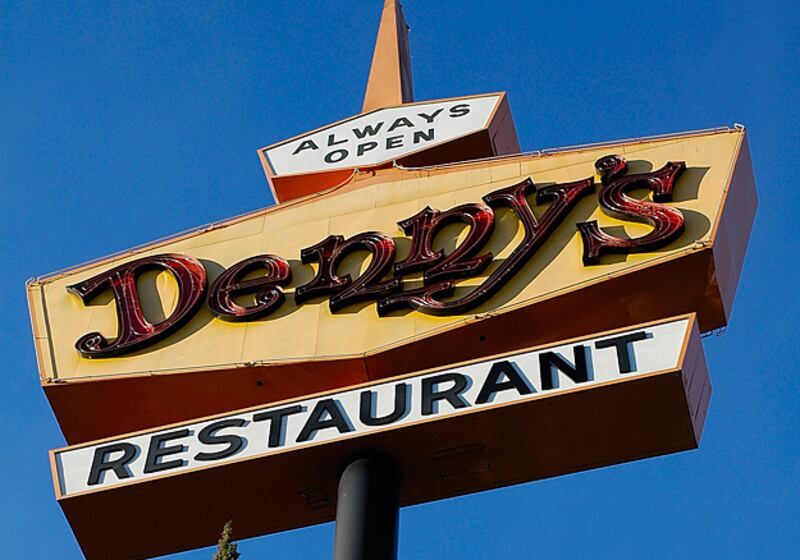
(383,279)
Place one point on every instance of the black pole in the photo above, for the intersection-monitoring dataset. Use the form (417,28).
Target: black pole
(367,510)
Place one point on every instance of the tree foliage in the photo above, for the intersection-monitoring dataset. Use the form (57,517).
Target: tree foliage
(226,548)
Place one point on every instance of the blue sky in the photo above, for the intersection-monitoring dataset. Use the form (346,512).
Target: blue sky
(120,124)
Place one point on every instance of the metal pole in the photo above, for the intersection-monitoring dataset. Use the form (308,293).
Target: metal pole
(367,510)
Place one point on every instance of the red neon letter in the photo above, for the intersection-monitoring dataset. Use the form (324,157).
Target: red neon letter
(133,330)
(423,227)
(231,285)
(667,222)
(562,199)
(343,289)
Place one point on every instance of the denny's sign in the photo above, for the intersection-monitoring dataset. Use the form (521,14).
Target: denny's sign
(395,271)
(483,317)
(439,271)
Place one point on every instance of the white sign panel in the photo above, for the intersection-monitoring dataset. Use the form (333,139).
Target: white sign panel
(381,136)
(423,397)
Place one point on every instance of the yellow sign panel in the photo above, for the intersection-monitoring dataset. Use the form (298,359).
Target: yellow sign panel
(310,331)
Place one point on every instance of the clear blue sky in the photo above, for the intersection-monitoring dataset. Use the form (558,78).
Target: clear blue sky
(120,124)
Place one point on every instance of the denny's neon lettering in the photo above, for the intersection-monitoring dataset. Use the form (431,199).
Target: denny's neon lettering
(382,281)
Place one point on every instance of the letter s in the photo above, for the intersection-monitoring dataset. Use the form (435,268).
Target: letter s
(667,222)
(459,110)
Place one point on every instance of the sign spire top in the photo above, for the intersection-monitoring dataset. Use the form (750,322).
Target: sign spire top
(390,82)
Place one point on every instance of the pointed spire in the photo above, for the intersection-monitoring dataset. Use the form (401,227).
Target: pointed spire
(390,82)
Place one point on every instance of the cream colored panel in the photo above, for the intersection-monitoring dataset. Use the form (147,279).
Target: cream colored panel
(377,203)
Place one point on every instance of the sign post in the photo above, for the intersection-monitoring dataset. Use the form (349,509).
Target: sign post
(367,510)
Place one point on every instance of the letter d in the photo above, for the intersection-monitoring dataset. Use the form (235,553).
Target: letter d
(133,330)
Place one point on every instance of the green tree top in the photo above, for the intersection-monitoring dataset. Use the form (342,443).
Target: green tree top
(227,550)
